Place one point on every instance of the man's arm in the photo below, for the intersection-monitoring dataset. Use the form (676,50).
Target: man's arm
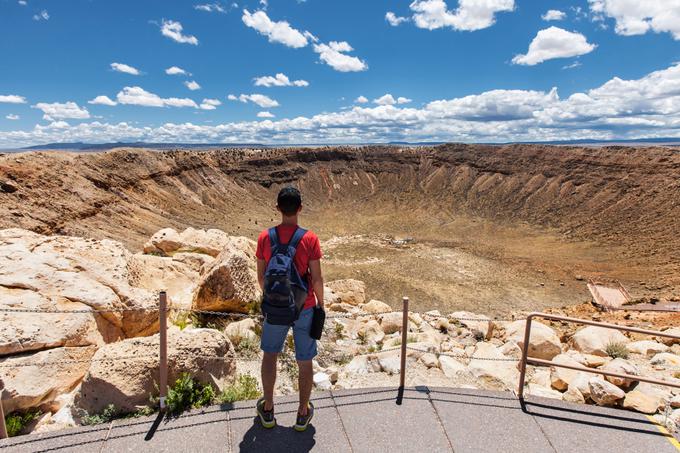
(261,268)
(317,280)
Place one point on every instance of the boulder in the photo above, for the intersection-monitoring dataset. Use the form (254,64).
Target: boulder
(647,347)
(167,242)
(157,273)
(228,285)
(125,374)
(474,322)
(642,402)
(511,349)
(495,375)
(347,291)
(594,340)
(68,273)
(543,392)
(543,341)
(430,361)
(665,359)
(375,306)
(581,383)
(371,333)
(604,393)
(322,381)
(196,262)
(620,366)
(390,363)
(52,373)
(560,378)
(363,365)
(671,341)
(541,376)
(573,395)
(391,322)
(237,331)
(452,368)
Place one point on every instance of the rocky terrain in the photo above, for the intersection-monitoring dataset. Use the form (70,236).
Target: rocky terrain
(70,366)
(492,228)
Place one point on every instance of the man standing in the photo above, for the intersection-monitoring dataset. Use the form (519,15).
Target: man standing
(288,243)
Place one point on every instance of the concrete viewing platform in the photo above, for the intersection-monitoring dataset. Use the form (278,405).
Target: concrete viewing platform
(369,420)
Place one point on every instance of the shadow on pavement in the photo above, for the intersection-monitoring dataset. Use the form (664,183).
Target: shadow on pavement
(278,439)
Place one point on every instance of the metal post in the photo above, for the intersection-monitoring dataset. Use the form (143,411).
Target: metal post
(404,339)
(163,326)
(3,428)
(525,354)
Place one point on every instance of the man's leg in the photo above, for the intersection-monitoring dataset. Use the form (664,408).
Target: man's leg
(305,383)
(269,378)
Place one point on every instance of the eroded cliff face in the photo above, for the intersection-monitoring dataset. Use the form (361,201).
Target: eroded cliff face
(544,213)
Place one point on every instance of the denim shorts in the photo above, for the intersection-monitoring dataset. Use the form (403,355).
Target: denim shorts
(273,337)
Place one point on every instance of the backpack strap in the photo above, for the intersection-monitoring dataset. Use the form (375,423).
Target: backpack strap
(273,238)
(297,237)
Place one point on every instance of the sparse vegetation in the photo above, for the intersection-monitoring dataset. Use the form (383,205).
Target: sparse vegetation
(187,393)
(617,350)
(409,339)
(339,331)
(478,335)
(247,347)
(16,422)
(244,388)
(109,413)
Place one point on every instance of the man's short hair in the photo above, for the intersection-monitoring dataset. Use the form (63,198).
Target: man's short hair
(289,200)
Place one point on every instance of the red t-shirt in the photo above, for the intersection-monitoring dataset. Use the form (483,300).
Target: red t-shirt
(308,250)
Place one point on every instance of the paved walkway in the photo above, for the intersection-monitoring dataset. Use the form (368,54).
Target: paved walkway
(368,420)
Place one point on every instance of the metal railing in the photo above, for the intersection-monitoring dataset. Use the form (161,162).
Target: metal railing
(541,362)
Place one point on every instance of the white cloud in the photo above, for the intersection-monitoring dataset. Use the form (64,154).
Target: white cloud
(12,117)
(638,17)
(193,85)
(403,100)
(361,100)
(23,2)
(554,14)
(395,20)
(388,99)
(552,43)
(573,65)
(102,100)
(210,8)
(619,109)
(280,32)
(121,67)
(42,15)
(57,110)
(174,70)
(139,96)
(333,54)
(173,30)
(260,99)
(279,80)
(210,104)
(12,99)
(471,14)
(265,114)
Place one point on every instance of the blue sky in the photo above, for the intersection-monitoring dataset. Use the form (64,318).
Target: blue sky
(445,70)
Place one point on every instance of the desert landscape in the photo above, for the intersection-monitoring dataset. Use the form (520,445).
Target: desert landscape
(475,235)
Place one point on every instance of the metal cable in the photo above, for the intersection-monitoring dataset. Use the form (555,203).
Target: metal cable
(458,356)
(106,310)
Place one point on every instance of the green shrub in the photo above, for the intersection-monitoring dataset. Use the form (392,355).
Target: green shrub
(16,422)
(188,393)
(247,346)
(478,335)
(244,388)
(109,413)
(617,350)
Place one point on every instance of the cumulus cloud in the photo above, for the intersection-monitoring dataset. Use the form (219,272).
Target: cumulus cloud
(121,67)
(210,104)
(173,30)
(12,117)
(260,99)
(102,100)
(12,99)
(211,8)
(395,20)
(552,43)
(57,110)
(279,80)
(42,15)
(637,18)
(139,96)
(192,85)
(265,114)
(23,2)
(618,109)
(279,32)
(334,55)
(388,99)
(469,16)
(174,70)
(554,14)
(361,100)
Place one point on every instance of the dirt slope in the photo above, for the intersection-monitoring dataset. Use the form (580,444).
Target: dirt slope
(522,214)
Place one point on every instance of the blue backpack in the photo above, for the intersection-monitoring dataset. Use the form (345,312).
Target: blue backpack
(285,291)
